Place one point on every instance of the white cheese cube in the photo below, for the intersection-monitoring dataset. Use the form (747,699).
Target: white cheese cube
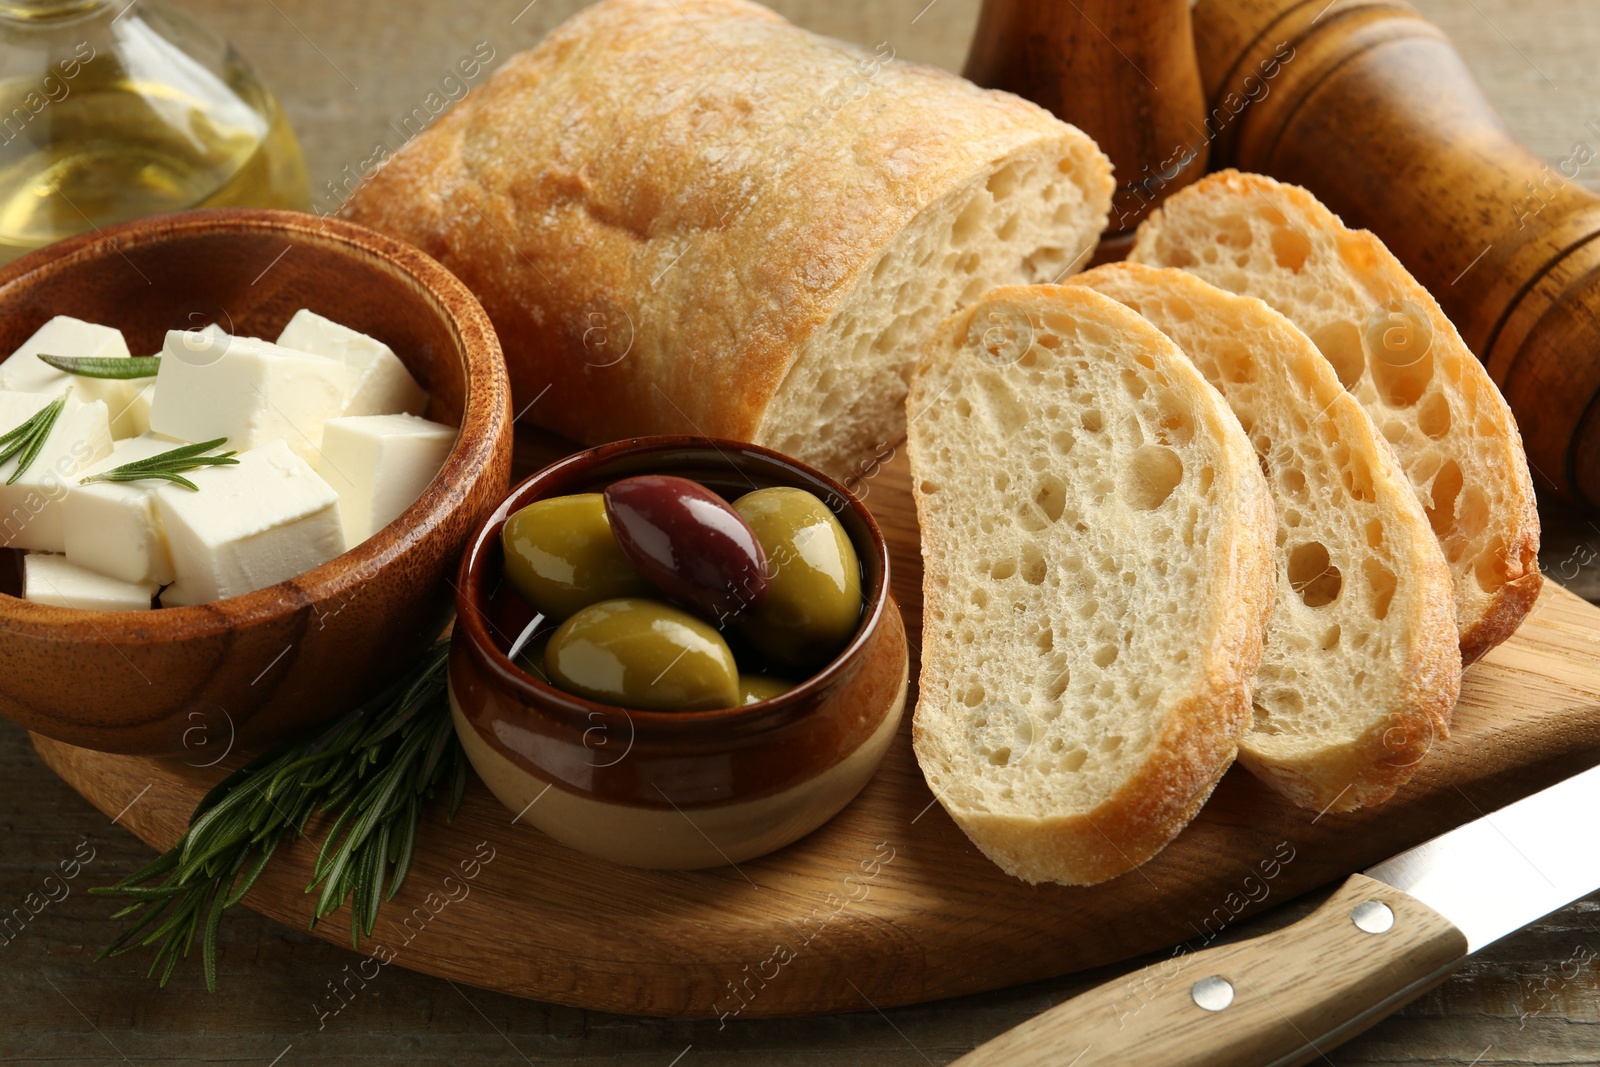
(135,418)
(30,507)
(249,526)
(250,391)
(379,382)
(380,464)
(53,580)
(63,335)
(114,527)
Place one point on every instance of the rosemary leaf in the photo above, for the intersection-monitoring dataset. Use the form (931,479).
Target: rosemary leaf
(169,466)
(172,929)
(368,891)
(208,940)
(10,436)
(378,849)
(182,452)
(30,437)
(127,940)
(406,842)
(153,892)
(370,773)
(123,476)
(258,865)
(172,953)
(330,852)
(105,366)
(160,865)
(436,750)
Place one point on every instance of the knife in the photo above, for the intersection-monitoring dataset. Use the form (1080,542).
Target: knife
(1384,938)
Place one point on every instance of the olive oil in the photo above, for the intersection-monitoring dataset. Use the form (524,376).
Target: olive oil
(115,153)
(147,113)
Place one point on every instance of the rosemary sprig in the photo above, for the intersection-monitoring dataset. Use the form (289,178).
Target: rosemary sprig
(375,769)
(105,366)
(169,466)
(29,438)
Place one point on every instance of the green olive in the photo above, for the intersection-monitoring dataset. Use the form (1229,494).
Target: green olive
(813,603)
(757,687)
(640,653)
(561,556)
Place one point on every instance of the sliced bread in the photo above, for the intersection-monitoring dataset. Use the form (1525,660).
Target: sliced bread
(1361,668)
(1097,551)
(1395,350)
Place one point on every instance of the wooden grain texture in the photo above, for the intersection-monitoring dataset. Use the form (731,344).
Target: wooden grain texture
(1376,112)
(1291,995)
(1521,1001)
(890,892)
(1122,71)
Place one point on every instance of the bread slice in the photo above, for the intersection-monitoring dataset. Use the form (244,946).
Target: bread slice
(692,216)
(1361,667)
(1097,551)
(1393,348)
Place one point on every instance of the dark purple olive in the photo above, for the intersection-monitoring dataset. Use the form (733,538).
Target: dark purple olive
(689,543)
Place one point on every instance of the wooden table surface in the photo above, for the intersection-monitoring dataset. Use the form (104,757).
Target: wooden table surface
(348,71)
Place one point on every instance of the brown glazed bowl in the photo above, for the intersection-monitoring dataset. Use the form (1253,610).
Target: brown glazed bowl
(675,789)
(255,668)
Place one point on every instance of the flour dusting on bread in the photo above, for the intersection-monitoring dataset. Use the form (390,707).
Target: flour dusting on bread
(670,241)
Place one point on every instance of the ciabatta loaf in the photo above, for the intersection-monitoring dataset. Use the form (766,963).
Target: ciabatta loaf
(1395,350)
(1097,552)
(1361,667)
(690,216)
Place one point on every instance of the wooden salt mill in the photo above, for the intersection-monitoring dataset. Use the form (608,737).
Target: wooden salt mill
(1375,112)
(1123,71)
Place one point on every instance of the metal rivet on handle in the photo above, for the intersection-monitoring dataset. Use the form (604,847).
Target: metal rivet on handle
(1213,993)
(1373,917)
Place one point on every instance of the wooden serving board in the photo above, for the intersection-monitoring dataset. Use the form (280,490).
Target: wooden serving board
(889,904)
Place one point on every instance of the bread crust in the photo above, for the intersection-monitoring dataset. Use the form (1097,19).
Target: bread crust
(1199,736)
(660,203)
(1512,601)
(1481,626)
(1372,766)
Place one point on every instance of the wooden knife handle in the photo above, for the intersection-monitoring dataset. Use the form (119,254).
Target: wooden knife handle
(1278,1000)
(1369,106)
(1123,71)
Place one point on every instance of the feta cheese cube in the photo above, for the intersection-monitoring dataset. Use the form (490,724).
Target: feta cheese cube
(380,464)
(379,382)
(249,526)
(113,527)
(53,580)
(135,418)
(250,391)
(63,335)
(30,507)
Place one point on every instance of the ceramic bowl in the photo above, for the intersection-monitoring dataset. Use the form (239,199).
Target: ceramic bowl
(675,789)
(197,681)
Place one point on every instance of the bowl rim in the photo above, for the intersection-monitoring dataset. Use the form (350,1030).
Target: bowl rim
(580,712)
(485,405)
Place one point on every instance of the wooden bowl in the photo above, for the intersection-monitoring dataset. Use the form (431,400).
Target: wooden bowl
(675,789)
(200,680)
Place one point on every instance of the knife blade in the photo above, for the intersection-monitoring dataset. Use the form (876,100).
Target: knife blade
(1382,939)
(1528,847)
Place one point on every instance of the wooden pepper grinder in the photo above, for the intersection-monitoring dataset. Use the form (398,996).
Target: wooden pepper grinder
(1123,71)
(1370,107)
